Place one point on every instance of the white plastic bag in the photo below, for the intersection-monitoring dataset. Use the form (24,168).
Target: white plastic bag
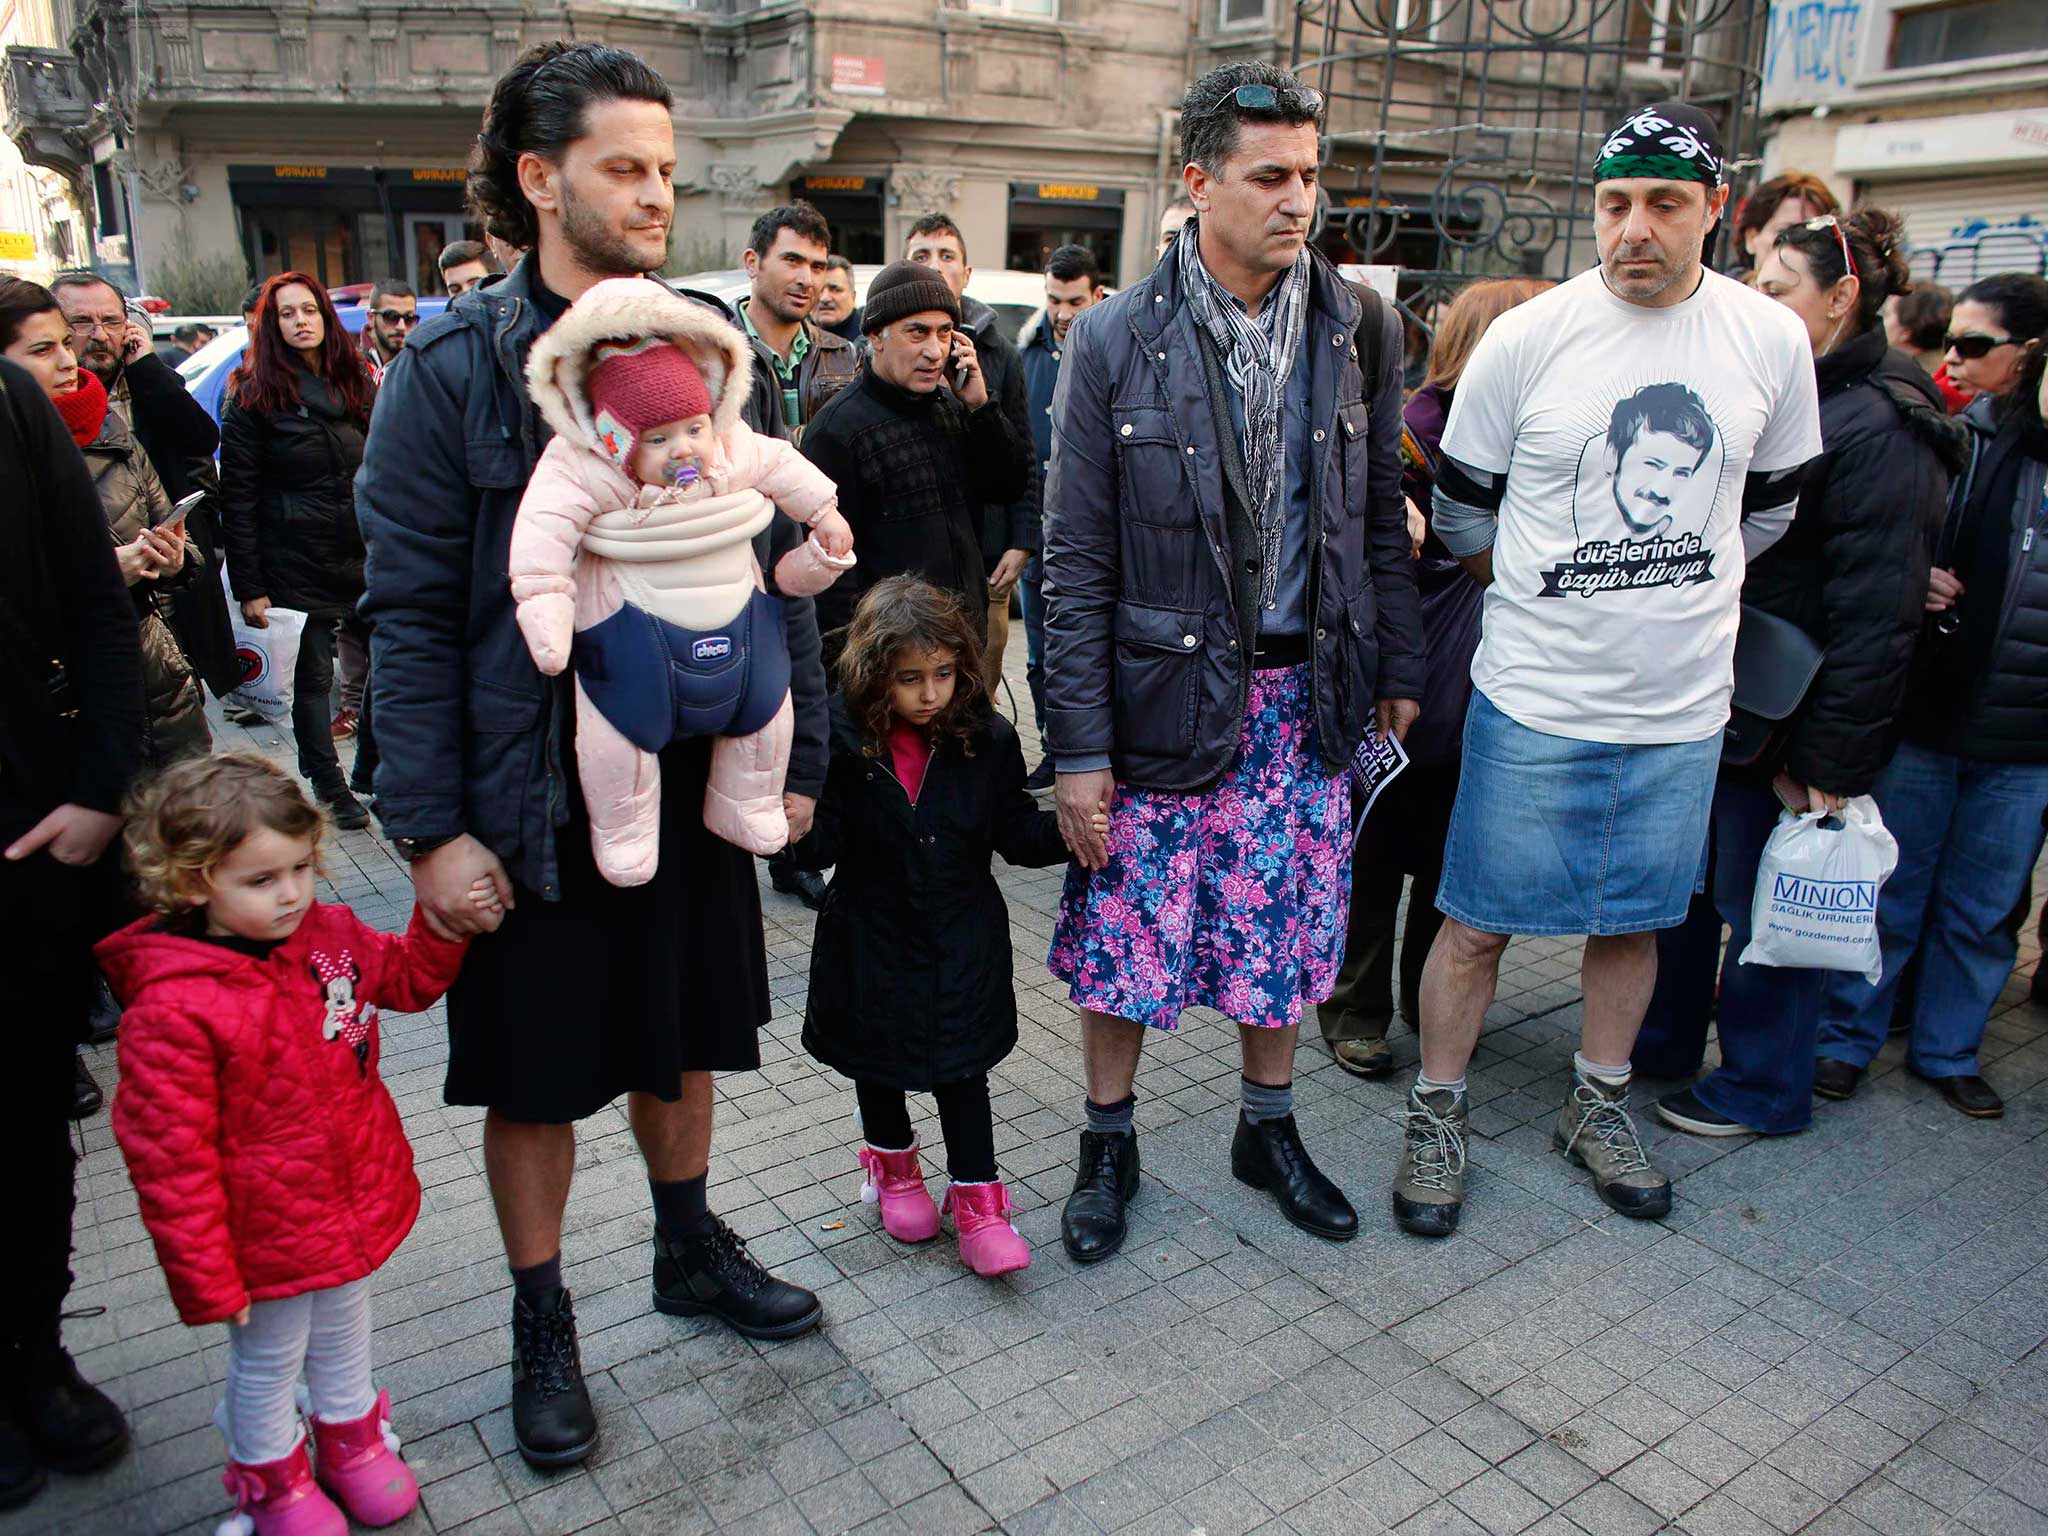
(1816,891)
(269,659)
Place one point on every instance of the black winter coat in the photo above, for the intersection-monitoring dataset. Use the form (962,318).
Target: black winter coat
(1852,569)
(471,735)
(910,964)
(1011,524)
(1151,573)
(913,472)
(287,481)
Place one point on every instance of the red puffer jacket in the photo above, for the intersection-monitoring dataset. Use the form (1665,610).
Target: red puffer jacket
(266,1152)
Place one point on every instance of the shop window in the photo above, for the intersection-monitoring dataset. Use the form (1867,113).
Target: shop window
(1655,32)
(1975,29)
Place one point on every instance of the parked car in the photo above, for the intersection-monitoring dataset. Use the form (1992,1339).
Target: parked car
(1014,296)
(206,371)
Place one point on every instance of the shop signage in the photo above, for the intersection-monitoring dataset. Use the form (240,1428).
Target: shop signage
(16,245)
(299,172)
(858,74)
(1066,192)
(438,173)
(841,184)
(1969,141)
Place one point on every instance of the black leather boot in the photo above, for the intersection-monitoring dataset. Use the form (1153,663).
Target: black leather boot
(806,885)
(711,1274)
(1092,1225)
(21,1476)
(71,1425)
(1269,1155)
(551,1414)
(86,1097)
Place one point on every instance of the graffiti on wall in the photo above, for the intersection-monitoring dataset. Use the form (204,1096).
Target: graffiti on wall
(1810,51)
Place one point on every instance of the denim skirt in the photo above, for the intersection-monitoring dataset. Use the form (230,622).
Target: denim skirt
(1552,835)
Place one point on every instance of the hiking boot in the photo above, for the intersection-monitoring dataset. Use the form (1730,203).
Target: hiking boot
(71,1424)
(1833,1079)
(711,1274)
(1429,1188)
(552,1419)
(1092,1223)
(1368,1056)
(21,1476)
(1268,1155)
(1594,1130)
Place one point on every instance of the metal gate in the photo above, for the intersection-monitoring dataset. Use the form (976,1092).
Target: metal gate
(1462,133)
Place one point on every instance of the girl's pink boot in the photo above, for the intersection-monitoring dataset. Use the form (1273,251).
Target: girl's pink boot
(358,1463)
(896,1180)
(279,1498)
(989,1245)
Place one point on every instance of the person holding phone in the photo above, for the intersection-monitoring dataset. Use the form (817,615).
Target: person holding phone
(149,543)
(915,464)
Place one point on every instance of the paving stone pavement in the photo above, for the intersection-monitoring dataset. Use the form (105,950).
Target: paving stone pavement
(1838,1332)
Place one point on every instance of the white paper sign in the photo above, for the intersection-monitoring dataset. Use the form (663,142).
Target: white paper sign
(1374,766)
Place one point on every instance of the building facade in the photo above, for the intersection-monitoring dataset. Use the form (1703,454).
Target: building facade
(42,219)
(1938,112)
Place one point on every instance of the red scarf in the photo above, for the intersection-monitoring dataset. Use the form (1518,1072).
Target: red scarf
(85,409)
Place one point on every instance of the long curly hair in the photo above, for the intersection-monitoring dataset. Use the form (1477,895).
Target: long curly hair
(267,382)
(184,822)
(900,612)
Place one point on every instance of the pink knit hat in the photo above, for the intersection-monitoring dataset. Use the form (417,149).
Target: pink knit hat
(641,384)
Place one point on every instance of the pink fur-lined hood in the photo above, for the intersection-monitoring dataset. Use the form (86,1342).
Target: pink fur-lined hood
(624,309)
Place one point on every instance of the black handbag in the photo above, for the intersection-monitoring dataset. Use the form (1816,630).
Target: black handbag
(1775,663)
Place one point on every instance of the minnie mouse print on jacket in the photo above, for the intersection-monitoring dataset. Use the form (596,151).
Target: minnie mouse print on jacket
(267,1154)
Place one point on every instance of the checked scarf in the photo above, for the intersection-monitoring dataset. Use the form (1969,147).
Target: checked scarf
(1258,357)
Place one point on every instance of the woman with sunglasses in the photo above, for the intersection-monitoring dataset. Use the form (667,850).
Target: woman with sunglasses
(1851,571)
(291,438)
(1967,790)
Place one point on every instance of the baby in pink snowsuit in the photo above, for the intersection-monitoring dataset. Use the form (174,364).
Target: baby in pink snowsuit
(633,559)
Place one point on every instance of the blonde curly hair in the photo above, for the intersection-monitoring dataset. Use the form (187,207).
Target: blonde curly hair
(189,818)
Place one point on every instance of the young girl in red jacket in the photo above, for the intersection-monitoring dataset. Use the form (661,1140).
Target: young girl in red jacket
(267,1155)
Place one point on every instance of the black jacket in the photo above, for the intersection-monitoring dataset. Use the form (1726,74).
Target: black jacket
(471,735)
(1852,569)
(1012,523)
(1150,554)
(62,601)
(181,440)
(287,483)
(1984,691)
(910,964)
(913,471)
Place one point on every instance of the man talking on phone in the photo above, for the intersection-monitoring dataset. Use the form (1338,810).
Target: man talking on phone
(914,463)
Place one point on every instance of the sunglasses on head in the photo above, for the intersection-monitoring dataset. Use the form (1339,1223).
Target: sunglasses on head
(1270,98)
(1972,345)
(396,316)
(1829,221)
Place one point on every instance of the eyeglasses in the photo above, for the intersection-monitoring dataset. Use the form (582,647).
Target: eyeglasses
(1972,345)
(396,316)
(87,327)
(1829,221)
(1296,99)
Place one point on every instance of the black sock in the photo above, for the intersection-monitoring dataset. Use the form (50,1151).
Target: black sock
(538,1285)
(679,1208)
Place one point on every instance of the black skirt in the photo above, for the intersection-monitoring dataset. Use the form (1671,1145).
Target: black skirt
(613,990)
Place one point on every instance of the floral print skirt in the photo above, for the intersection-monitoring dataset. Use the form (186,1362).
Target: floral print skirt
(1233,899)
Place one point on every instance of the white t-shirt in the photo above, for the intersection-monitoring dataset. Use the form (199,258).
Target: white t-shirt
(1625,434)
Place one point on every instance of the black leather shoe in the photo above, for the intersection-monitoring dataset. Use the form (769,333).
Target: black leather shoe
(1092,1225)
(344,809)
(1269,1155)
(711,1274)
(104,1019)
(86,1097)
(1834,1079)
(21,1475)
(1041,777)
(551,1414)
(71,1425)
(1971,1095)
(806,885)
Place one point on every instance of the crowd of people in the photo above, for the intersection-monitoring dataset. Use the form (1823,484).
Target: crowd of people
(629,588)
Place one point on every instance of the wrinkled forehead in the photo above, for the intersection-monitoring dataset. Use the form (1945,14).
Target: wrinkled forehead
(96,299)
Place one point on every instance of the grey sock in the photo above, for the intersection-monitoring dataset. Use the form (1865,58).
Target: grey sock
(1112,1119)
(1266,1103)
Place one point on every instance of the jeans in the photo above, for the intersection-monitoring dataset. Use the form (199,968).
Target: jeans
(1770,1015)
(352,656)
(324,1333)
(1032,593)
(313,707)
(1969,833)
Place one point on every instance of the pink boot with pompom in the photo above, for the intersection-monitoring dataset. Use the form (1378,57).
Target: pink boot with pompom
(896,1180)
(279,1498)
(989,1245)
(358,1463)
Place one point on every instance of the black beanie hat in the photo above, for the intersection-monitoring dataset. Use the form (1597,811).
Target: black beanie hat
(905,288)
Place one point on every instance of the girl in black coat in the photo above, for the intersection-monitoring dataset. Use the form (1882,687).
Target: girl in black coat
(910,965)
(291,440)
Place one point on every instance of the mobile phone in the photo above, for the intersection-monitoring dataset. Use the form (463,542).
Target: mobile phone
(178,514)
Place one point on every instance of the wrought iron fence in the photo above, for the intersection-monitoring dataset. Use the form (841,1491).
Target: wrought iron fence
(1462,133)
